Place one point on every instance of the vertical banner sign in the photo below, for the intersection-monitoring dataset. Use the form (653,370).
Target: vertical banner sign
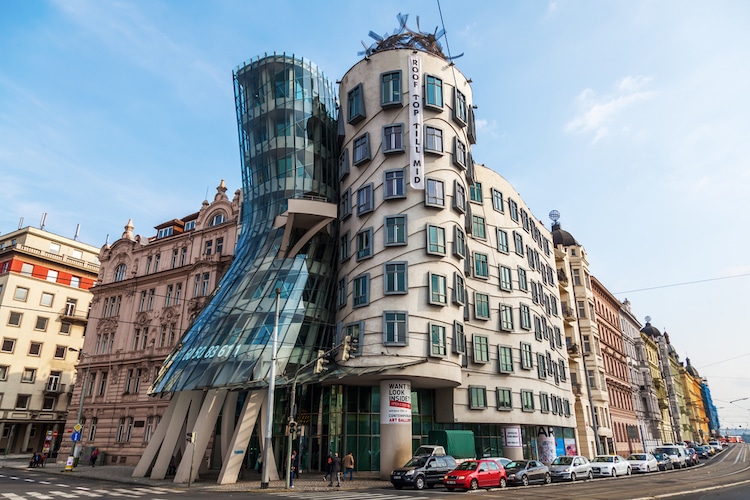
(416,110)
(395,408)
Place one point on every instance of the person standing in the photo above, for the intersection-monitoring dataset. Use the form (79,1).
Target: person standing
(348,464)
(94,456)
(293,468)
(336,469)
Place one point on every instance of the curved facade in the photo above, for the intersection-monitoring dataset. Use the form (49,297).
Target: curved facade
(446,281)
(286,115)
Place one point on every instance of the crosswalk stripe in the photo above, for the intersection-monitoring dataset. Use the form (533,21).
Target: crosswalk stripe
(87,492)
(62,494)
(158,491)
(40,496)
(13,496)
(128,492)
(340,495)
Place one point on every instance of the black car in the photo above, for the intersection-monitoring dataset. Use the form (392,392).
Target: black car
(527,471)
(664,461)
(423,471)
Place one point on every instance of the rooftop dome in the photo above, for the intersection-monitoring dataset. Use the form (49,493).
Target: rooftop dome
(562,237)
(691,369)
(650,330)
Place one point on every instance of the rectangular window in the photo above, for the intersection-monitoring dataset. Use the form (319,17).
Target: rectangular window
(344,163)
(459,196)
(527,400)
(361,149)
(395,280)
(459,153)
(433,140)
(28,375)
(497,201)
(22,401)
(527,357)
(460,110)
(345,206)
(433,91)
(390,89)
(22,294)
(8,345)
(364,199)
(355,111)
(361,290)
(438,290)
(502,241)
(14,318)
(481,346)
(364,244)
(459,289)
(525,220)
(504,398)
(52,275)
(168,298)
(459,242)
(459,338)
(477,397)
(219,246)
(544,402)
(434,193)
(518,243)
(525,316)
(394,184)
(344,249)
(581,309)
(576,277)
(4,372)
(506,318)
(341,292)
(478,228)
(435,240)
(541,365)
(506,280)
(481,265)
(27,269)
(523,283)
(41,323)
(481,306)
(393,138)
(395,230)
(437,340)
(537,328)
(394,328)
(475,192)
(513,207)
(209,247)
(505,359)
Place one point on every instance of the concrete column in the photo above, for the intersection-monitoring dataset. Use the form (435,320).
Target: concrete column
(512,443)
(545,444)
(395,425)
(230,467)
(26,437)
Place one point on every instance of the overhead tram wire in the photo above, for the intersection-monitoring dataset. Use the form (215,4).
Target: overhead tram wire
(685,283)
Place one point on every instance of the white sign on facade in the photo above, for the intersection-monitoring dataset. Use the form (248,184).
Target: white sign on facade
(395,402)
(512,437)
(416,111)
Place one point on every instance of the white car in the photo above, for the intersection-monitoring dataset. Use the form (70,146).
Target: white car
(643,462)
(610,466)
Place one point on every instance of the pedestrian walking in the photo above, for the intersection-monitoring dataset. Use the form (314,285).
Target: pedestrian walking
(348,463)
(336,469)
(94,456)
(329,465)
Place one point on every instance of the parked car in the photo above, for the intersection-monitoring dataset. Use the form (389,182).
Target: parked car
(501,460)
(704,452)
(475,474)
(643,462)
(527,471)
(692,456)
(423,471)
(570,468)
(664,461)
(677,453)
(610,466)
(716,445)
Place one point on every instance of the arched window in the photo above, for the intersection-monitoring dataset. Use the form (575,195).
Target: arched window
(120,272)
(217,219)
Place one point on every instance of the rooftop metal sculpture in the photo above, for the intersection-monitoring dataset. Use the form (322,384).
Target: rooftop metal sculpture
(405,38)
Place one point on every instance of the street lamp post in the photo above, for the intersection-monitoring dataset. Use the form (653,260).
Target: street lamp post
(77,446)
(269,400)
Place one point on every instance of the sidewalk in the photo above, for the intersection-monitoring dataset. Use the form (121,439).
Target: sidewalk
(309,481)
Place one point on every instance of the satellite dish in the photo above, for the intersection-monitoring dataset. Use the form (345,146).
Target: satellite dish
(648,319)
(554,215)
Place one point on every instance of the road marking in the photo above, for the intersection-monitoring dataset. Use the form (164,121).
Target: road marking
(63,494)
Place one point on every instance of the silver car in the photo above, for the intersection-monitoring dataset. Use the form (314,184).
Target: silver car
(570,468)
(643,462)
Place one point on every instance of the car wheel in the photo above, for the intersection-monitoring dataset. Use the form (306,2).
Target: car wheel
(503,482)
(628,472)
(419,483)
(547,478)
(525,480)
(590,476)
(572,476)
(614,472)
(474,484)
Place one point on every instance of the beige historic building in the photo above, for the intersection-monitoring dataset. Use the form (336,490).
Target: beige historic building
(617,374)
(148,292)
(45,282)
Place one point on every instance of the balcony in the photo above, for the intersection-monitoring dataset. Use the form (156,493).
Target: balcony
(574,351)
(54,388)
(568,312)
(69,315)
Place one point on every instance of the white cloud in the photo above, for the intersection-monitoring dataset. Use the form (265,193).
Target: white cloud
(596,114)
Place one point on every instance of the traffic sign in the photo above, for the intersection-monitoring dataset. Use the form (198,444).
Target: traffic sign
(78,427)
(76,436)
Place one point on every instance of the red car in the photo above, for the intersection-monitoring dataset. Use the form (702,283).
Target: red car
(475,474)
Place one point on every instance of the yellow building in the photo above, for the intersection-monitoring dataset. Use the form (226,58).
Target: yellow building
(698,421)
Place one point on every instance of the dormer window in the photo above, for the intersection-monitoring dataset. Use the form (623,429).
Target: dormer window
(189,225)
(163,233)
(218,219)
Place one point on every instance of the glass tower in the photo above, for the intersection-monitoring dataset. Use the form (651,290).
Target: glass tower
(286,117)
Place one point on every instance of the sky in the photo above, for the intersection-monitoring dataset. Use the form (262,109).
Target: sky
(629,117)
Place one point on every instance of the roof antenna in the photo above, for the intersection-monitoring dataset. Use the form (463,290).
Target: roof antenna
(78,230)
(20,223)
(43,221)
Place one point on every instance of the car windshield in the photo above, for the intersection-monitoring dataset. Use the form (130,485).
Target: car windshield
(603,459)
(563,461)
(520,464)
(660,456)
(468,465)
(637,457)
(416,462)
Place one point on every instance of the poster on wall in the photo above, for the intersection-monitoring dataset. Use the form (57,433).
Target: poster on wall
(545,444)
(570,447)
(396,407)
(512,437)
